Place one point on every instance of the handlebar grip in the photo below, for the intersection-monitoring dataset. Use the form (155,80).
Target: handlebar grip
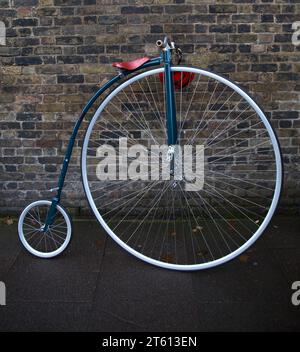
(163,43)
(159,43)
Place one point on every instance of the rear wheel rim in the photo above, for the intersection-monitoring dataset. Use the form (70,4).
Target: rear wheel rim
(44,244)
(214,85)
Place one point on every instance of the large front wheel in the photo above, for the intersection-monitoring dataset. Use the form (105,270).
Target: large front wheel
(228,169)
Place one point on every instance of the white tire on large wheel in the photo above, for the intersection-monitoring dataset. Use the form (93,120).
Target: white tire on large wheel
(97,199)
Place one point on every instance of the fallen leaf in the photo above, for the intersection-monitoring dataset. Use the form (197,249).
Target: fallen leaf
(244,258)
(231,224)
(8,220)
(167,258)
(202,253)
(99,244)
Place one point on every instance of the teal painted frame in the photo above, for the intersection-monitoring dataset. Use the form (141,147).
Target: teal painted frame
(171,119)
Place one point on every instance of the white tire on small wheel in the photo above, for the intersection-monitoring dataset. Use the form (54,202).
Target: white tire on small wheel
(42,244)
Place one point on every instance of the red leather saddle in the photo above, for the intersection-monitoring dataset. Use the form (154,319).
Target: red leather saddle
(131,65)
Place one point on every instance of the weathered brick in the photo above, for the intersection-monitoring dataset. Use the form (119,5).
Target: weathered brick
(4,3)
(24,3)
(179,28)
(264,67)
(201,28)
(244,28)
(288,76)
(46,21)
(70,79)
(73,40)
(244,48)
(266,8)
(285,115)
(112,19)
(222,28)
(46,31)
(67,11)
(50,168)
(222,8)
(222,68)
(243,38)
(47,11)
(201,18)
(8,13)
(29,60)
(29,134)
(12,160)
(175,9)
(64,21)
(67,2)
(90,20)
(89,2)
(72,59)
(285,123)
(283,38)
(9,125)
(199,38)
(51,107)
(134,9)
(23,42)
(156,29)
(267,18)
(48,50)
(50,160)
(28,116)
(245,18)
(25,22)
(28,126)
(132,48)
(224,48)
(90,49)
(287,18)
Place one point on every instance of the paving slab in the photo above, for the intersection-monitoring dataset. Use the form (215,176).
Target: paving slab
(96,286)
(134,295)
(44,316)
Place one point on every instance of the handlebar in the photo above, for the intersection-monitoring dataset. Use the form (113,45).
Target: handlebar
(166,44)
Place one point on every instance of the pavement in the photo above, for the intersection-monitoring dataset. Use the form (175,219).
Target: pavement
(96,286)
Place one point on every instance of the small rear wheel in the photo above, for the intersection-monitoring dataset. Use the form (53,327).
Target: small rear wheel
(44,244)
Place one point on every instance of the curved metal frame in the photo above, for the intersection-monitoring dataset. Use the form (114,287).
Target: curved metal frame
(56,199)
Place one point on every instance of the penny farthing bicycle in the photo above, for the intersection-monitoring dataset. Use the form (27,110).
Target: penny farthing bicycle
(196,167)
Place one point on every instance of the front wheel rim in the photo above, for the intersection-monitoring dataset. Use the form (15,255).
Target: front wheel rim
(277,188)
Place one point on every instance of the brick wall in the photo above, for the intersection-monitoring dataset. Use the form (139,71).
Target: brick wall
(58,52)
